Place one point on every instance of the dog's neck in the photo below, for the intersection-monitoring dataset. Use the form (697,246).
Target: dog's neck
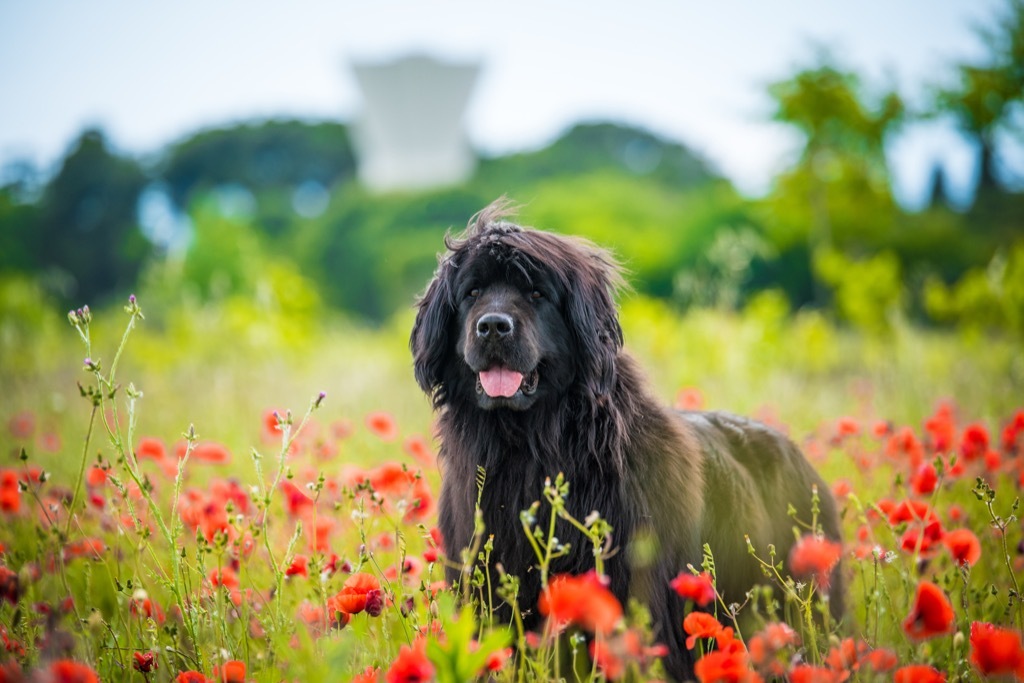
(577,432)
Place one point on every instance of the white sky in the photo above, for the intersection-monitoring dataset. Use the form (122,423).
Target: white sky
(151,72)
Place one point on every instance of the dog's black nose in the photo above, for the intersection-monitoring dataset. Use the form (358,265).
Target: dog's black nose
(494,325)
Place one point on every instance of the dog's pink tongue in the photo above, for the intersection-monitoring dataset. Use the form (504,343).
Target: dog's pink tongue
(501,382)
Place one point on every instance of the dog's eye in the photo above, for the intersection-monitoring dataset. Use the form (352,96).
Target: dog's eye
(536,295)
(474,293)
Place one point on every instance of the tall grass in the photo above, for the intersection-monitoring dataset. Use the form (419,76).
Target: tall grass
(166,516)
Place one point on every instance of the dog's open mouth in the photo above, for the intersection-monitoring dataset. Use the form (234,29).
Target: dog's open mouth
(505,383)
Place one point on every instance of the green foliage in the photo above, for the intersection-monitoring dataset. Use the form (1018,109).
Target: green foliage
(990,298)
(868,293)
(830,108)
(656,232)
(262,157)
(282,196)
(984,96)
(460,657)
(809,370)
(82,236)
(370,254)
(27,322)
(601,148)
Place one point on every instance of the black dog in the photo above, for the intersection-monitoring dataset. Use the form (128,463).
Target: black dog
(518,343)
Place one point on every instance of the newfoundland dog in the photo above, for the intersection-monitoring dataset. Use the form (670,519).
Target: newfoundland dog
(518,344)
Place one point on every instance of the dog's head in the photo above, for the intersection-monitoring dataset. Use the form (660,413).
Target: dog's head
(516,318)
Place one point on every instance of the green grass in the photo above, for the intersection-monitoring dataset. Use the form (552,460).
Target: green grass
(216,372)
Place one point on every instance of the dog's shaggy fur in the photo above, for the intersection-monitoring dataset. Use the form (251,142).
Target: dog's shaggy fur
(518,343)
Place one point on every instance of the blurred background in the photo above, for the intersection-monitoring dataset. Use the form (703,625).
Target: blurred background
(257,174)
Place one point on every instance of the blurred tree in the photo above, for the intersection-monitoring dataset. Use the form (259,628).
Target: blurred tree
(86,238)
(989,298)
(19,238)
(371,253)
(593,147)
(985,96)
(288,166)
(838,193)
(655,230)
(938,192)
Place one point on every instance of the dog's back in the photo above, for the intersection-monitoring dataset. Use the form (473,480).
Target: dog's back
(754,476)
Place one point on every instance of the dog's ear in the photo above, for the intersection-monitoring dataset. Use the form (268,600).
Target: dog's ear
(430,339)
(594,320)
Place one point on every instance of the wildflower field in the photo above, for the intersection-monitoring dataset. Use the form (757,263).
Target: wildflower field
(210,505)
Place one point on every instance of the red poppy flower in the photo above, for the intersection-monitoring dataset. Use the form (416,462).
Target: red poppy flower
(268,426)
(32,475)
(50,442)
(433,551)
(225,576)
(233,671)
(192,677)
(86,547)
(880,660)
(10,671)
(10,493)
(296,499)
(912,511)
(993,460)
(918,673)
(391,478)
(145,662)
(905,444)
(606,659)
(419,449)
(583,600)
(816,557)
(806,673)
(67,671)
(941,428)
(342,429)
(22,425)
(931,615)
(841,488)
(298,567)
(996,651)
(689,398)
(496,660)
(847,426)
(1013,433)
(97,476)
(724,667)
(881,429)
(768,641)
(963,545)
(143,606)
(368,675)
(421,502)
(150,447)
(211,452)
(925,479)
(411,665)
(846,655)
(320,535)
(700,625)
(361,591)
(698,588)
(10,585)
(974,442)
(923,540)
(383,425)
(309,613)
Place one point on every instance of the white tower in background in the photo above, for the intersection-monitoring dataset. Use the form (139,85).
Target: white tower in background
(410,133)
